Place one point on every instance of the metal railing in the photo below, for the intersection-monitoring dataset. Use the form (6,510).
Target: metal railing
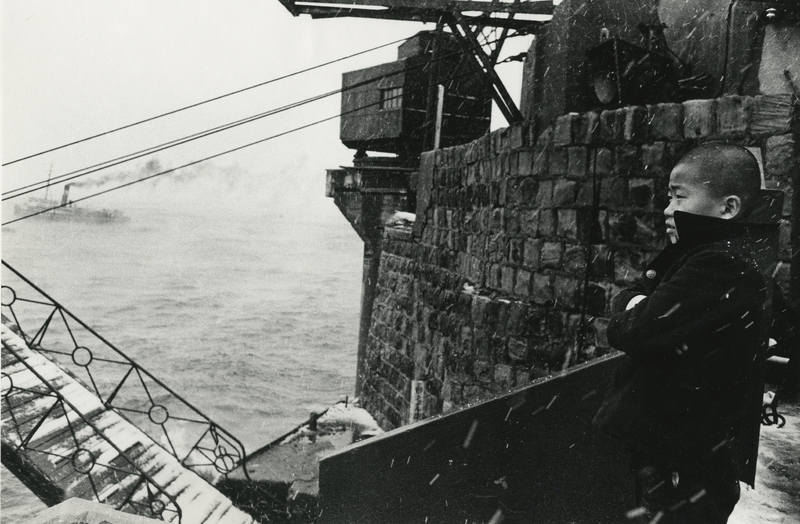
(131,489)
(123,384)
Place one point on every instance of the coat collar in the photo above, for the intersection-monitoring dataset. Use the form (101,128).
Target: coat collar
(694,230)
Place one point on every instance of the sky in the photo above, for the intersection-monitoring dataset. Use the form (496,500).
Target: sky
(73,69)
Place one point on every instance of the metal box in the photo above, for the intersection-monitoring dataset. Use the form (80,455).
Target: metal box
(385,107)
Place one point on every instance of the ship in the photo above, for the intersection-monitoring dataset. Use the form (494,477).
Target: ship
(66,210)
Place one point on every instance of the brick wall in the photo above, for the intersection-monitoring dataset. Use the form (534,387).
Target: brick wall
(491,288)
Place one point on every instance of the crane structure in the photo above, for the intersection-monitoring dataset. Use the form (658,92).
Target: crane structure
(481,27)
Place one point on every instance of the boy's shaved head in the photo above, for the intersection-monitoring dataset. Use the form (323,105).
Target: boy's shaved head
(726,169)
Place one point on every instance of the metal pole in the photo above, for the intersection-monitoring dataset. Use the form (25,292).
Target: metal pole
(439,110)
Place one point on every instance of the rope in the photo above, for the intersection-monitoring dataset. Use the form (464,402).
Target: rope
(127,126)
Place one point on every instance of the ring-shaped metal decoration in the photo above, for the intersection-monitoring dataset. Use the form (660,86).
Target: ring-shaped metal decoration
(157,507)
(82,356)
(158,414)
(83,461)
(7,383)
(224,463)
(8,296)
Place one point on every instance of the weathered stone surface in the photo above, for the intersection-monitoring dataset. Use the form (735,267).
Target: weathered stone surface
(547,223)
(612,125)
(542,288)
(699,118)
(771,115)
(544,196)
(781,157)
(635,129)
(564,193)
(559,162)
(733,116)
(563,130)
(552,254)
(532,252)
(666,122)
(512,219)
(578,158)
(522,285)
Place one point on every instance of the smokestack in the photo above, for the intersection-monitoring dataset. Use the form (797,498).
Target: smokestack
(65,196)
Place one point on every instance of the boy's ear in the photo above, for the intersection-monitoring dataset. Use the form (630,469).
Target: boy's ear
(733,207)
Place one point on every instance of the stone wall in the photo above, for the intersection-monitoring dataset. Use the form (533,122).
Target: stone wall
(522,237)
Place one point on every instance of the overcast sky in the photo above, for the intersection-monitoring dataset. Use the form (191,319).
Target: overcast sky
(76,68)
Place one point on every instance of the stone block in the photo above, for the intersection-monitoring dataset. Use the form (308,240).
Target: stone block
(564,193)
(603,161)
(563,130)
(565,291)
(577,162)
(528,187)
(628,161)
(504,376)
(544,196)
(542,289)
(497,166)
(699,118)
(612,126)
(558,162)
(552,254)
(586,129)
(517,349)
(585,194)
(733,116)
(529,222)
(781,159)
(507,275)
(547,223)
(567,224)
(770,115)
(575,258)
(516,137)
(494,194)
(612,192)
(653,156)
(665,122)
(493,276)
(635,129)
(640,192)
(515,250)
(497,219)
(522,286)
(525,167)
(512,190)
(512,224)
(541,162)
(513,164)
(532,252)
(622,226)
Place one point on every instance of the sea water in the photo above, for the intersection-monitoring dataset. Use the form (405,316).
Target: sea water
(250,314)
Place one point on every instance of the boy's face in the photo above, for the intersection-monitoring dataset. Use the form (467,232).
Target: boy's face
(689,192)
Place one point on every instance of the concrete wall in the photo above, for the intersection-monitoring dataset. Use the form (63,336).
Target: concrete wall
(490,291)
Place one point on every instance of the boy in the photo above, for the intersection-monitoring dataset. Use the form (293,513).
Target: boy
(692,329)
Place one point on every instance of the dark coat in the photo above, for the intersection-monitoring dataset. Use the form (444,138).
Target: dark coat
(689,395)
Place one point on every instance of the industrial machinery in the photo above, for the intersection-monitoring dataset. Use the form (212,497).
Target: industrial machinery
(384,107)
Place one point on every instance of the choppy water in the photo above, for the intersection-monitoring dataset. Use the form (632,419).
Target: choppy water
(252,316)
